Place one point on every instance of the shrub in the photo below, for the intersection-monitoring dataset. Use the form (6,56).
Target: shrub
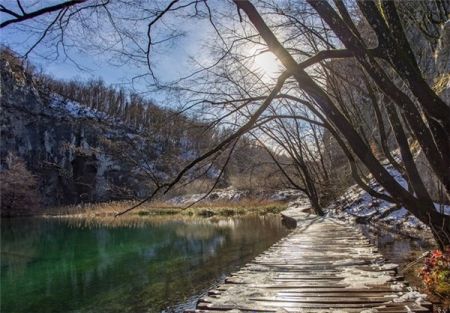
(436,272)
(206,213)
(18,189)
(227,212)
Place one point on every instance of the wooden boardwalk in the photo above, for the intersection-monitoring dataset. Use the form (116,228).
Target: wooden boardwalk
(322,266)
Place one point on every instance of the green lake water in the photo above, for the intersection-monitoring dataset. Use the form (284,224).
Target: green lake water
(51,265)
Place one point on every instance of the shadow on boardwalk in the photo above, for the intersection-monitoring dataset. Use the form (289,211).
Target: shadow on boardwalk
(322,266)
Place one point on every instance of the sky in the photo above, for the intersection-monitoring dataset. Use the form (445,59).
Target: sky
(93,47)
(170,62)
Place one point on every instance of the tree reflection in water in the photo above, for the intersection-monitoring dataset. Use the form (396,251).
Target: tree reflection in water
(123,265)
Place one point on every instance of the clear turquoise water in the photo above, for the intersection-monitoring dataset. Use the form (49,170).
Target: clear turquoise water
(49,265)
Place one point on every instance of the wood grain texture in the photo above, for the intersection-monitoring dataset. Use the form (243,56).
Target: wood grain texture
(322,266)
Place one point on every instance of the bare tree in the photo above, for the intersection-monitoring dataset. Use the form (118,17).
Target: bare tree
(304,37)
(303,171)
(432,139)
(18,189)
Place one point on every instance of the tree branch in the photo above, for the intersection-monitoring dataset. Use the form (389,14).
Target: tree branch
(46,10)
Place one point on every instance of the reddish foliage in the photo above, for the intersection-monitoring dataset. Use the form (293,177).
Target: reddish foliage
(436,272)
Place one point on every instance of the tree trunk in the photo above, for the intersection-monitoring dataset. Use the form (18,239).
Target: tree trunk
(439,223)
(426,137)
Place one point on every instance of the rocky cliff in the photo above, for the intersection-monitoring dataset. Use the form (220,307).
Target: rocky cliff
(76,153)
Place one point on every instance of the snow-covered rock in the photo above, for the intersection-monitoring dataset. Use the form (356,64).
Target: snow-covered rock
(357,204)
(231,194)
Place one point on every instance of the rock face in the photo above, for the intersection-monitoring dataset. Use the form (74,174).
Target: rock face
(76,153)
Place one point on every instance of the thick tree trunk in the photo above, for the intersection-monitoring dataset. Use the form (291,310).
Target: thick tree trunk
(312,191)
(428,139)
(316,206)
(412,173)
(402,56)
(381,129)
(439,223)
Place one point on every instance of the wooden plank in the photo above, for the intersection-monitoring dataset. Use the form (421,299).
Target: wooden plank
(278,304)
(320,289)
(321,266)
(342,294)
(322,300)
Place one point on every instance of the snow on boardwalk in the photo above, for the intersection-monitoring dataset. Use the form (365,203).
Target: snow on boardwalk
(322,266)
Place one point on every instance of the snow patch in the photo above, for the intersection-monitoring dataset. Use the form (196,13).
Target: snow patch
(358,278)
(411,295)
(356,203)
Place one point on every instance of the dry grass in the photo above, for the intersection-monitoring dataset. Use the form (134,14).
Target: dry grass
(218,208)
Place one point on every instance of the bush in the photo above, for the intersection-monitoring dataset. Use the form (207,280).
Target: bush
(18,189)
(227,212)
(206,213)
(436,272)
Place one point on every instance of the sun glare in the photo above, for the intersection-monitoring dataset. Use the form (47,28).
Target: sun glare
(268,64)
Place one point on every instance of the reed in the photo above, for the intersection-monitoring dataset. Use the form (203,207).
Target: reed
(160,208)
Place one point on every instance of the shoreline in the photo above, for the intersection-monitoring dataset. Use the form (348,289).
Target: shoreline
(222,209)
(214,212)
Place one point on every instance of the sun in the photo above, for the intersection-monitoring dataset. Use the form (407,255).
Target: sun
(268,64)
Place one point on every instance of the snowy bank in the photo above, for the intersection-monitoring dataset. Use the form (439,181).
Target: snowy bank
(231,194)
(356,204)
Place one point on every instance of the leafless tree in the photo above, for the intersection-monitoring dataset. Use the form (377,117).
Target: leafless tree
(306,38)
(18,189)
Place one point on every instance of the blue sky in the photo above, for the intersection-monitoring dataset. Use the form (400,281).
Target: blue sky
(170,62)
(96,47)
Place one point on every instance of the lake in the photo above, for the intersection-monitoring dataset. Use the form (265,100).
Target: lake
(145,265)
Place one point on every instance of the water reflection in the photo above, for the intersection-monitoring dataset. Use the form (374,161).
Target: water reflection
(143,265)
(397,248)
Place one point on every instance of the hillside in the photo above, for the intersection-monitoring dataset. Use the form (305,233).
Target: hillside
(111,146)
(77,153)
